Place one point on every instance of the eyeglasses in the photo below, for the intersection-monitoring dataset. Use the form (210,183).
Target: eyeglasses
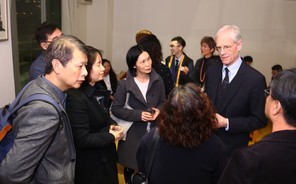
(267,92)
(226,48)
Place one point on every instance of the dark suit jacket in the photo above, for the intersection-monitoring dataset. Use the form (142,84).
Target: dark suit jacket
(95,147)
(183,77)
(243,103)
(199,72)
(271,160)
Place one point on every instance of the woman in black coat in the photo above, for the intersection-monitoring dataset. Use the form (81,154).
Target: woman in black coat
(207,48)
(94,132)
(188,151)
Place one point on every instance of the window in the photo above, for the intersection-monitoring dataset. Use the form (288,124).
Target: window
(29,15)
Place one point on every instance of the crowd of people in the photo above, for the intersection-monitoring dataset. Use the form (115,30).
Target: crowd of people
(203,113)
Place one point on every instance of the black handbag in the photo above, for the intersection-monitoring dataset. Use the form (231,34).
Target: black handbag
(139,177)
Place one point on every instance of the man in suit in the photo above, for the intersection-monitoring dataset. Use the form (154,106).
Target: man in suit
(237,91)
(179,63)
(43,150)
(271,160)
(45,33)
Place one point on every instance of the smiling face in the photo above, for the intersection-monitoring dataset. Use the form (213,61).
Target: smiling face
(227,48)
(206,50)
(97,71)
(73,73)
(144,64)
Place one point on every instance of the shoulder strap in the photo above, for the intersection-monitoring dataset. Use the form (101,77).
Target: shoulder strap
(150,155)
(34,97)
(19,96)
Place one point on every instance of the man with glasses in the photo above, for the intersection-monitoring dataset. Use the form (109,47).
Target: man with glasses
(237,91)
(271,160)
(44,35)
(179,63)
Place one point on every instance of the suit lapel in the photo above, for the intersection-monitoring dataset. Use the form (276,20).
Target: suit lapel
(216,81)
(233,87)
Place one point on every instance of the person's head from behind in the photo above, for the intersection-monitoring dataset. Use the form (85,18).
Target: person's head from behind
(276,69)
(152,45)
(187,118)
(282,98)
(65,61)
(228,44)
(142,34)
(177,45)
(45,33)
(94,67)
(138,61)
(207,46)
(248,60)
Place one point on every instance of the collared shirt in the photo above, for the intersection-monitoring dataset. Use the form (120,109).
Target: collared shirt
(108,83)
(179,59)
(61,95)
(233,69)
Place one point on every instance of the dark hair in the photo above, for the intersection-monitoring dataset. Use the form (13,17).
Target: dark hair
(283,89)
(152,45)
(210,42)
(62,49)
(187,118)
(180,40)
(278,68)
(248,59)
(92,56)
(111,72)
(44,30)
(132,56)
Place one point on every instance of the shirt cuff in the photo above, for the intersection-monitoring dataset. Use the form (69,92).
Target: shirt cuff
(227,124)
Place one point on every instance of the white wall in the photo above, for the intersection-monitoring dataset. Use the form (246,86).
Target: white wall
(91,23)
(7,92)
(267,27)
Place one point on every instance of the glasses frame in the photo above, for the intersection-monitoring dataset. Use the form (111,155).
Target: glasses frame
(225,48)
(267,92)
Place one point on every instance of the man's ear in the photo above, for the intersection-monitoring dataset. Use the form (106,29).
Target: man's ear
(277,108)
(43,45)
(56,66)
(239,45)
(181,47)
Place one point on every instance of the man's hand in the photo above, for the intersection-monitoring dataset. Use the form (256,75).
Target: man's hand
(221,121)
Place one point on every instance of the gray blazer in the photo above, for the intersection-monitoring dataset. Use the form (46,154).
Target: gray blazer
(43,149)
(155,97)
